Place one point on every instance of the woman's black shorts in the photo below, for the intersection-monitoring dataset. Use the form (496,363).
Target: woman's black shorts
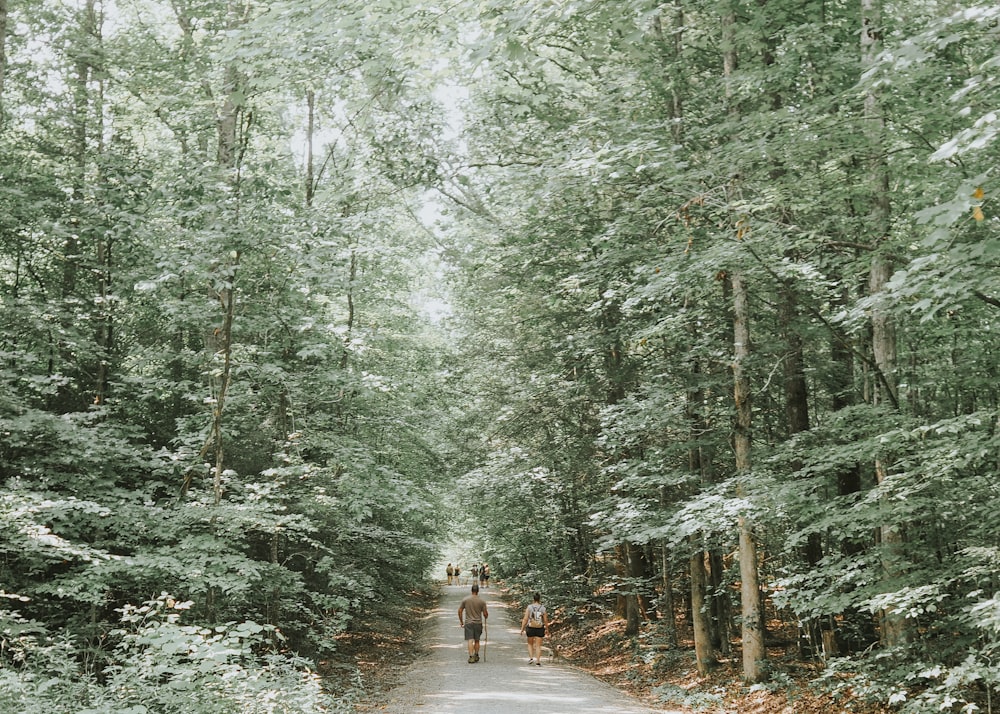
(535,631)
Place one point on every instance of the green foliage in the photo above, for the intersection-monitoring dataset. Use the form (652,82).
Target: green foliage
(614,193)
(155,189)
(160,664)
(219,376)
(672,695)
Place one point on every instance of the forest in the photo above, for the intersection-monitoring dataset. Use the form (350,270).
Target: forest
(684,312)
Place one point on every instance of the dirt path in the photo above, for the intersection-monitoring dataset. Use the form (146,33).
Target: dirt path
(502,682)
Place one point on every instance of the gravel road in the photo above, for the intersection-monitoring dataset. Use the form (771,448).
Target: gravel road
(502,682)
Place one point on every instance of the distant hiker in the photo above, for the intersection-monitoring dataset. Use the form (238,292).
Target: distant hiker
(458,572)
(472,615)
(450,571)
(484,575)
(533,624)
(475,572)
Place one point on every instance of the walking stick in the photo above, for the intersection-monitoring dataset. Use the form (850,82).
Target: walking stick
(486,637)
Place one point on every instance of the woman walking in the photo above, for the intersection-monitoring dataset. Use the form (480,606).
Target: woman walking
(533,624)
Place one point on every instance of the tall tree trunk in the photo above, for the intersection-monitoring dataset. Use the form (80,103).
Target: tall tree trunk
(310,148)
(709,618)
(227,120)
(895,630)
(82,50)
(637,572)
(352,274)
(105,333)
(667,605)
(3,59)
(719,603)
(796,390)
(754,652)
(752,630)
(220,340)
(796,387)
(700,616)
(671,43)
(80,150)
(704,654)
(103,244)
(843,391)
(223,341)
(617,377)
(797,420)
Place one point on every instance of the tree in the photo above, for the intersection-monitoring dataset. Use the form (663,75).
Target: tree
(3,57)
(290,528)
(884,389)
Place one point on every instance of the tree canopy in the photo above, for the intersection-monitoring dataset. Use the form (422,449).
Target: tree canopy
(686,311)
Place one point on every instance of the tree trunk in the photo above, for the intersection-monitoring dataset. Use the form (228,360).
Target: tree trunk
(70,396)
(843,391)
(796,388)
(104,257)
(671,43)
(797,421)
(754,652)
(704,654)
(635,604)
(667,617)
(617,379)
(842,386)
(310,148)
(226,122)
(720,606)
(224,342)
(352,274)
(704,609)
(895,630)
(752,630)
(796,391)
(220,340)
(671,46)
(81,116)
(3,59)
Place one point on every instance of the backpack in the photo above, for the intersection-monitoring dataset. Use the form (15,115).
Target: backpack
(535,616)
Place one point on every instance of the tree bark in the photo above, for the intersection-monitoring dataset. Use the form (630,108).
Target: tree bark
(3,59)
(704,654)
(103,243)
(671,46)
(796,387)
(668,621)
(71,397)
(671,43)
(225,344)
(81,114)
(233,100)
(637,572)
(352,274)
(220,340)
(895,630)
(754,652)
(226,122)
(720,606)
(752,631)
(310,148)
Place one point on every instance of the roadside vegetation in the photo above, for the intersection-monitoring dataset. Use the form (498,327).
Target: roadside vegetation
(682,313)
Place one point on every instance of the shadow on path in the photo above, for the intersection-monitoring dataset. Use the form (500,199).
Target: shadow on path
(502,682)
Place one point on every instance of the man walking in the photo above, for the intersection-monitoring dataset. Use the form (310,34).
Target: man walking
(472,614)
